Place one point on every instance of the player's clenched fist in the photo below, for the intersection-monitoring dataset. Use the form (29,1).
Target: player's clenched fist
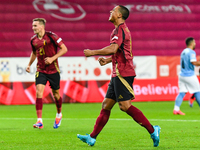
(87,52)
(28,69)
(102,61)
(48,60)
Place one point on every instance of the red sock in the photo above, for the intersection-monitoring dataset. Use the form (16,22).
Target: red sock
(38,106)
(139,117)
(100,122)
(59,105)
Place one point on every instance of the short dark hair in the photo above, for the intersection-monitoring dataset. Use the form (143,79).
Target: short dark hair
(124,11)
(189,40)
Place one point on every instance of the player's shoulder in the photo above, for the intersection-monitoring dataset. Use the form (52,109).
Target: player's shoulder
(50,33)
(33,37)
(191,50)
(188,51)
(120,28)
(116,30)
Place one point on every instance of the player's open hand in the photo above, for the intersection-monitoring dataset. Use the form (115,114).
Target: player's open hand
(102,61)
(28,69)
(48,60)
(87,52)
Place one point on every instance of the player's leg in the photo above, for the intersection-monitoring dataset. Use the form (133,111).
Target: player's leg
(101,121)
(197,96)
(40,86)
(178,102)
(136,114)
(54,80)
(182,84)
(58,102)
(191,100)
(194,87)
(103,117)
(39,105)
(124,94)
(140,118)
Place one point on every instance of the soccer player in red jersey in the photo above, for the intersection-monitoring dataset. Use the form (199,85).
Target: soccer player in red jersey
(45,48)
(120,89)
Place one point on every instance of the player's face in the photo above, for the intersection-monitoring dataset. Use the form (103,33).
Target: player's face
(114,14)
(37,27)
(193,44)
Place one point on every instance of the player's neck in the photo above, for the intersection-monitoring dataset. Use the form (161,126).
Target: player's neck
(118,22)
(191,47)
(41,34)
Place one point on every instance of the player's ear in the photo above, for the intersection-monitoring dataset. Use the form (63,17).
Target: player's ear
(120,15)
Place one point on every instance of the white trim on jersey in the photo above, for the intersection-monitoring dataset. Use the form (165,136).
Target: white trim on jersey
(115,37)
(58,41)
(193,60)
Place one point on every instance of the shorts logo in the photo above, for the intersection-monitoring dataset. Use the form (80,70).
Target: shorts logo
(120,97)
(60,9)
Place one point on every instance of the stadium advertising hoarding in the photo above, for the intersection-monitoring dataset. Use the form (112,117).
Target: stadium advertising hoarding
(84,80)
(74,68)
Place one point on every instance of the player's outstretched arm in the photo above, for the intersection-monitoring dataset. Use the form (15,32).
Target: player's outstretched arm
(32,58)
(108,50)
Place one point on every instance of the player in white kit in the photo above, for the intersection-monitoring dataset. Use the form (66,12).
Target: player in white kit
(188,81)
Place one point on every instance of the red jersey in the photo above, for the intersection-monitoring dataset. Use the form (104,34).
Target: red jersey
(46,47)
(122,60)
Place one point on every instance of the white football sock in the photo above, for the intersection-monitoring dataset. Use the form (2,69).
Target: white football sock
(177,108)
(39,119)
(58,115)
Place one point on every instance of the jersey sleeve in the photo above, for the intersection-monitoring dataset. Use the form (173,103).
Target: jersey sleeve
(193,57)
(33,48)
(57,40)
(116,37)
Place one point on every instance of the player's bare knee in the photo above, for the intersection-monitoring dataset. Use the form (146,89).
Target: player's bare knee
(108,104)
(122,108)
(104,105)
(39,94)
(56,96)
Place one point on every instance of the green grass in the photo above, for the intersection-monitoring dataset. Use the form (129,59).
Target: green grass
(120,133)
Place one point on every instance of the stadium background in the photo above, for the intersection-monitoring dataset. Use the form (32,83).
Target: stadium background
(158,29)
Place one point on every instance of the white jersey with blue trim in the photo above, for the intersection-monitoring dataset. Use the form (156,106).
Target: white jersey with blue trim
(187,68)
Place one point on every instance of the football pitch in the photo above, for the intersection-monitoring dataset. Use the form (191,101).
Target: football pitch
(120,133)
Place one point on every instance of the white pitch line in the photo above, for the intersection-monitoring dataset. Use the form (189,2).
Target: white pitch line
(115,119)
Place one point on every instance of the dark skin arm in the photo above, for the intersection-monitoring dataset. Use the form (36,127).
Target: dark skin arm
(108,50)
(104,61)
